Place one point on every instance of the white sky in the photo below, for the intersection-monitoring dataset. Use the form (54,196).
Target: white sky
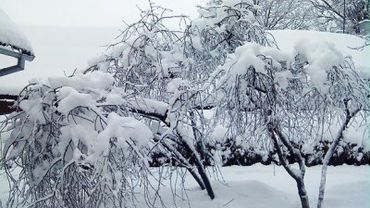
(65,34)
(86,13)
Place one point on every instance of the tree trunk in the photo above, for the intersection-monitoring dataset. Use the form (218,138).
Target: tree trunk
(202,172)
(344,16)
(329,154)
(198,138)
(320,200)
(302,194)
(185,162)
(298,177)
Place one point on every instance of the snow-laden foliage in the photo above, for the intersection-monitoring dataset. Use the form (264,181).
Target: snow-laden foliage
(221,27)
(82,127)
(147,55)
(66,149)
(317,79)
(290,99)
(182,94)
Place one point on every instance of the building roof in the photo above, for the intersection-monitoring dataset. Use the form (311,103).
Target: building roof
(11,37)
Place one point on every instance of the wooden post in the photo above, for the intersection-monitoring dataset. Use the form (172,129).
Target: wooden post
(6,104)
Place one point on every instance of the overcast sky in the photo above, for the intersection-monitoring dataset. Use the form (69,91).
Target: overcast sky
(86,13)
(65,34)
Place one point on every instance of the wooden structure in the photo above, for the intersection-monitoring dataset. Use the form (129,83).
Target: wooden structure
(21,59)
(6,103)
(15,45)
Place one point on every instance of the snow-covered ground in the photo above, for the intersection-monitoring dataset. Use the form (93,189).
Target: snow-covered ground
(261,186)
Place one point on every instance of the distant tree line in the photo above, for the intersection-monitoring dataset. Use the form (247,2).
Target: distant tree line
(345,16)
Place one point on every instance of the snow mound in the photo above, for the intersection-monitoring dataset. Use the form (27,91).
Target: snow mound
(10,35)
(288,39)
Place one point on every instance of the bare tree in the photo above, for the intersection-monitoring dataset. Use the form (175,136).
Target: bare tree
(286,14)
(344,14)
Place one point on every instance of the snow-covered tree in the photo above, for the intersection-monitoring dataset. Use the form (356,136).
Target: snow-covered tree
(147,55)
(67,149)
(179,64)
(149,62)
(286,14)
(282,98)
(88,140)
(342,15)
(221,27)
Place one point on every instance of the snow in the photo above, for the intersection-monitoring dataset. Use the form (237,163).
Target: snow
(177,84)
(219,133)
(70,99)
(322,56)
(80,133)
(59,51)
(246,56)
(255,186)
(148,105)
(125,129)
(94,80)
(238,194)
(11,36)
(287,39)
(9,90)
(261,186)
(34,109)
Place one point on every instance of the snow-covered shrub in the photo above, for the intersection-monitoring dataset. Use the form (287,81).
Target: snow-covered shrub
(284,98)
(68,149)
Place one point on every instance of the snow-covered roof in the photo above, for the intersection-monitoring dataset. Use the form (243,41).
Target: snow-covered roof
(10,36)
